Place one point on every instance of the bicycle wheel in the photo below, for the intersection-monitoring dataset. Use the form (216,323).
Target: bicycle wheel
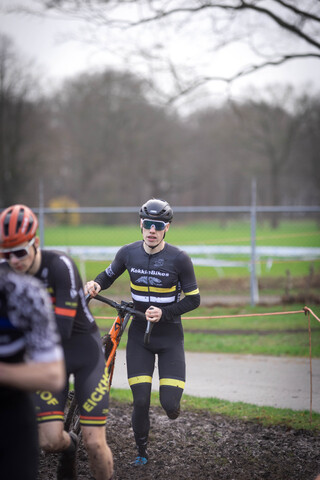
(72,415)
(108,345)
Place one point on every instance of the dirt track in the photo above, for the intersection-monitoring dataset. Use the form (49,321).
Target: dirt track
(203,446)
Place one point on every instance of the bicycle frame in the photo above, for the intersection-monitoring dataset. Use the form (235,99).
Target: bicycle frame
(112,339)
(110,342)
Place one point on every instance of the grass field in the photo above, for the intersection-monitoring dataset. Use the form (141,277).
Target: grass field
(266,335)
(279,335)
(304,233)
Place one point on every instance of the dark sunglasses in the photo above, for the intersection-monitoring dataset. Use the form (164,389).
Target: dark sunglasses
(19,252)
(157,224)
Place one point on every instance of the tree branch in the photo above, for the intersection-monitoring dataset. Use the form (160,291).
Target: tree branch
(280,61)
(242,73)
(297,11)
(282,23)
(243,5)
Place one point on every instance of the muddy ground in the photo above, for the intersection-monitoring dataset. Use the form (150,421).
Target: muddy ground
(204,446)
(201,445)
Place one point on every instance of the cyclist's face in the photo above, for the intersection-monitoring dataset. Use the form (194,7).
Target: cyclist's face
(151,236)
(22,265)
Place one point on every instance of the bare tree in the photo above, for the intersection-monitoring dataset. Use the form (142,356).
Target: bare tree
(308,151)
(19,126)
(112,146)
(181,42)
(271,128)
(272,137)
(224,166)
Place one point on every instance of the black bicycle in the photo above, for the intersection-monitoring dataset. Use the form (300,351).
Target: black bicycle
(110,342)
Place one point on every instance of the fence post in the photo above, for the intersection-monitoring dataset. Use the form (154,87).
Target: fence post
(254,293)
(41,214)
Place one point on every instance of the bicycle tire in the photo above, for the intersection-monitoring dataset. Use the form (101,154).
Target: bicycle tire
(108,344)
(72,414)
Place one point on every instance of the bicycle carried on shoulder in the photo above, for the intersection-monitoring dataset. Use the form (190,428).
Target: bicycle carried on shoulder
(110,342)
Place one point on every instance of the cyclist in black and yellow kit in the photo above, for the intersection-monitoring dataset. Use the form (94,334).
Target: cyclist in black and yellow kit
(159,273)
(81,344)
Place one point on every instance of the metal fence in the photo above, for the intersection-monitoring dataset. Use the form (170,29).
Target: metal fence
(253,238)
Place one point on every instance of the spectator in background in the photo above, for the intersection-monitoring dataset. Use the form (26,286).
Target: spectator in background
(31,358)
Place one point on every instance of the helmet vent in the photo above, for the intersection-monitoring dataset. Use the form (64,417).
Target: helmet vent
(6,225)
(30,224)
(20,219)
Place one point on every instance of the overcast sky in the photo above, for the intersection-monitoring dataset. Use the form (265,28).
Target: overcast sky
(45,41)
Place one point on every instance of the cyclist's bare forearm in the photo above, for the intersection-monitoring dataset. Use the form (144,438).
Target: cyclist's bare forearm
(33,376)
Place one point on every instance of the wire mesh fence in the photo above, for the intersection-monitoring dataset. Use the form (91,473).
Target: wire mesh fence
(250,250)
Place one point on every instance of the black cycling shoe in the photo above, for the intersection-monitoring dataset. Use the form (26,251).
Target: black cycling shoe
(174,414)
(67,468)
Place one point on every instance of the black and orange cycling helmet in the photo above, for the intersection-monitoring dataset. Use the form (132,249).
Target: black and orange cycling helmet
(18,224)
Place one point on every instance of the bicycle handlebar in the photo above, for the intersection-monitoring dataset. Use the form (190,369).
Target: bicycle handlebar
(122,308)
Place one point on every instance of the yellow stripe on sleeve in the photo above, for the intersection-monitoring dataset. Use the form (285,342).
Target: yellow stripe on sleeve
(193,292)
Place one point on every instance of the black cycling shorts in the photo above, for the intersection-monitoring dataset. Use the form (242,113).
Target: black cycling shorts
(85,360)
(167,342)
